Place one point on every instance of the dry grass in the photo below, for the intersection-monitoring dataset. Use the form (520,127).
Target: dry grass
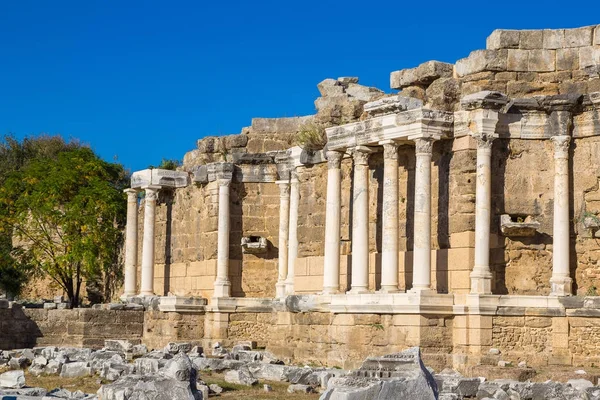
(232,391)
(87,384)
(91,384)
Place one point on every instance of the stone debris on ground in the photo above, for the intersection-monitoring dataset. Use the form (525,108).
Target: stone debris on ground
(174,373)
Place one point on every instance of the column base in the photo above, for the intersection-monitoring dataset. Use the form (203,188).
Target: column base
(146,293)
(280,290)
(481,281)
(222,289)
(358,290)
(422,289)
(289,288)
(389,289)
(331,290)
(126,296)
(561,286)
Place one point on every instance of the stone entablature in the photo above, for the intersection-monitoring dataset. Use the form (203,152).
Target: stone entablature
(159,177)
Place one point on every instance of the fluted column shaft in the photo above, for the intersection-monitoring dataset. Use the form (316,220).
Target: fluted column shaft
(147,284)
(222,286)
(561,281)
(360,221)
(293,232)
(422,218)
(284,229)
(131,237)
(481,276)
(331,268)
(389,245)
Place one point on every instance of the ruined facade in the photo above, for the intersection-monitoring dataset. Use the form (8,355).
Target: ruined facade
(460,214)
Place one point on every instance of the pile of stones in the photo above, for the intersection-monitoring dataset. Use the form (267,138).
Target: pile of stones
(172,373)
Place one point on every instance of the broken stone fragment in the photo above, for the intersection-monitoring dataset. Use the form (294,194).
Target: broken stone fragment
(241,376)
(12,379)
(75,370)
(297,388)
(422,75)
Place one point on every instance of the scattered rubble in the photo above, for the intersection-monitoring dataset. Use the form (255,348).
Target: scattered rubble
(173,373)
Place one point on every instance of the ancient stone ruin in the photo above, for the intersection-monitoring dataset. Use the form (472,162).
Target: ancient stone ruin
(460,215)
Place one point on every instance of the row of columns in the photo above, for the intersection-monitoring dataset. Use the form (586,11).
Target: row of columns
(288,229)
(481,276)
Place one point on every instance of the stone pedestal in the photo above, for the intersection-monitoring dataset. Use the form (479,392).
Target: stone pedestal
(284,228)
(147,284)
(222,286)
(331,268)
(422,219)
(293,232)
(389,237)
(360,221)
(481,276)
(561,281)
(131,237)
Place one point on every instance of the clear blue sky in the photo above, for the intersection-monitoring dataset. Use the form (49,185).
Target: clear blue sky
(143,80)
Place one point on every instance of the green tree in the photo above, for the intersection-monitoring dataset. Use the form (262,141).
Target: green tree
(14,155)
(171,165)
(66,217)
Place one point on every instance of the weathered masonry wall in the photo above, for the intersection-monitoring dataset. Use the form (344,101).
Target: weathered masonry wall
(29,327)
(539,337)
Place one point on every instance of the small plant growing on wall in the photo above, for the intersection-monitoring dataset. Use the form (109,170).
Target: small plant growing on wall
(592,291)
(311,136)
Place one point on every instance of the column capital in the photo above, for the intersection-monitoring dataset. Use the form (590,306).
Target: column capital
(390,150)
(424,145)
(284,188)
(484,140)
(561,145)
(223,182)
(334,159)
(151,192)
(131,194)
(360,155)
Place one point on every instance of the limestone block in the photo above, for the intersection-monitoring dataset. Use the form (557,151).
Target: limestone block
(531,39)
(159,177)
(503,39)
(518,60)
(542,60)
(553,38)
(422,75)
(12,380)
(589,56)
(567,59)
(279,125)
(579,37)
(482,60)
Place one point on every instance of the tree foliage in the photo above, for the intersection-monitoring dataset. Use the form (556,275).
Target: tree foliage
(169,164)
(65,213)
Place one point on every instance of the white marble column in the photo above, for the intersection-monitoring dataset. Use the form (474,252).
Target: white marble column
(293,230)
(389,245)
(131,237)
(561,281)
(360,221)
(481,276)
(331,268)
(422,219)
(222,286)
(147,284)
(284,229)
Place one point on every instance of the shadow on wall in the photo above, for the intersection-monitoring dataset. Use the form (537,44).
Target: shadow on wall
(18,330)
(168,198)
(442,153)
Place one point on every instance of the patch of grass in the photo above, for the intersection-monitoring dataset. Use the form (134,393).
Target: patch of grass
(232,391)
(87,384)
(311,136)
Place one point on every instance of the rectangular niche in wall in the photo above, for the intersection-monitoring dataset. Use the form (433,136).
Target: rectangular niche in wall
(254,244)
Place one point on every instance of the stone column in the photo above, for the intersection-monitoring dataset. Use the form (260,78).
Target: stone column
(481,276)
(131,237)
(293,230)
(389,245)
(360,221)
(422,219)
(561,281)
(147,285)
(222,286)
(284,229)
(331,268)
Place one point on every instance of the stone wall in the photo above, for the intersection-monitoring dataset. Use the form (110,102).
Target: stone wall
(30,327)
